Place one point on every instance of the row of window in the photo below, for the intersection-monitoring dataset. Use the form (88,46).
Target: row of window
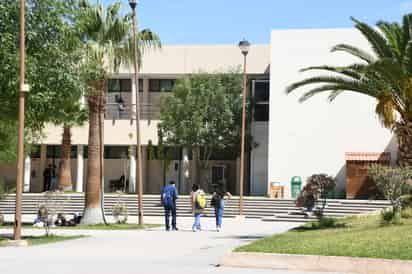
(155,85)
(122,152)
(260,91)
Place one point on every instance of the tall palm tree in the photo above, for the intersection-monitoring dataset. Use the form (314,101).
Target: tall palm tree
(384,74)
(108,44)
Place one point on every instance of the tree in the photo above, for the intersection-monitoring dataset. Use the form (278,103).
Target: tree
(393,183)
(50,68)
(107,43)
(385,74)
(204,112)
(316,188)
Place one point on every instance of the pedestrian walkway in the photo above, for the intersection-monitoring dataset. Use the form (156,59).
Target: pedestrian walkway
(148,252)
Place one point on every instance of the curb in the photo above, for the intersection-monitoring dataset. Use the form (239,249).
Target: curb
(316,263)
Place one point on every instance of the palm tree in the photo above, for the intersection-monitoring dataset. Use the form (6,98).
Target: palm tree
(108,44)
(385,74)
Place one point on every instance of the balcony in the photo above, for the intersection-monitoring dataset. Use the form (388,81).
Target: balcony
(127,112)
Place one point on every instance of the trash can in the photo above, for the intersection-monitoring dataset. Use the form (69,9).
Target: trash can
(295,186)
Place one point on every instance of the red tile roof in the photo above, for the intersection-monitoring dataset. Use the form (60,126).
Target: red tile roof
(368,156)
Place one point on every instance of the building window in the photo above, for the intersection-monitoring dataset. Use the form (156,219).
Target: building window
(35,151)
(261,91)
(171,153)
(161,85)
(261,112)
(54,152)
(116,152)
(120,85)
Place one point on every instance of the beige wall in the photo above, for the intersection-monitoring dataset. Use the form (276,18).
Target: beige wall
(119,132)
(178,59)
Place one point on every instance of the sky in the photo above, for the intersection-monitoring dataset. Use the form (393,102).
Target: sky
(228,21)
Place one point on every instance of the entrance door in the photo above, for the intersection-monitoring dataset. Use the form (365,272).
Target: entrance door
(218,174)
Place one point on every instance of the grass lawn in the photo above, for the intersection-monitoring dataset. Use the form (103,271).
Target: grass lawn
(359,237)
(38,240)
(94,227)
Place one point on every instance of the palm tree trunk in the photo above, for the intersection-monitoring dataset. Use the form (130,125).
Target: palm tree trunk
(65,177)
(403,131)
(92,212)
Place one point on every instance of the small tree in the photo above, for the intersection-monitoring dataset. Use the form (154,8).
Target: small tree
(393,183)
(204,114)
(316,188)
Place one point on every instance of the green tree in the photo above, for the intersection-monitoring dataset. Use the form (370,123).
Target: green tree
(204,112)
(50,68)
(108,43)
(384,74)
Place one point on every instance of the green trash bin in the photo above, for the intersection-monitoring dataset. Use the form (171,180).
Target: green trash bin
(296,186)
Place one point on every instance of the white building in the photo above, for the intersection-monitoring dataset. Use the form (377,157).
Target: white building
(298,140)
(313,137)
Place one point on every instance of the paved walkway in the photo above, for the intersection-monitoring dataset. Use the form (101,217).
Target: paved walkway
(147,252)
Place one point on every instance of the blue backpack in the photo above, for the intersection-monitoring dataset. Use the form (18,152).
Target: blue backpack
(167,198)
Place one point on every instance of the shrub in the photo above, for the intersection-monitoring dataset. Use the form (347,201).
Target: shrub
(389,216)
(393,183)
(316,188)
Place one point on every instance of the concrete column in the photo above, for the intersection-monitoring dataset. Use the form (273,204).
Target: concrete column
(80,165)
(27,173)
(146,185)
(43,159)
(132,170)
(184,174)
(133,102)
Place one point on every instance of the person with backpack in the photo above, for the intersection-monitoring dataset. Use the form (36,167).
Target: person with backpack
(168,199)
(218,203)
(198,199)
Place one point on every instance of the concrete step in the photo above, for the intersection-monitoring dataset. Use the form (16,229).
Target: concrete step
(254,207)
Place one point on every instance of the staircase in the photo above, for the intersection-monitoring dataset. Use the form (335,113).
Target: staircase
(254,207)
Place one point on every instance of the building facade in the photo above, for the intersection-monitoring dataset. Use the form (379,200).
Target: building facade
(293,139)
(157,76)
(314,136)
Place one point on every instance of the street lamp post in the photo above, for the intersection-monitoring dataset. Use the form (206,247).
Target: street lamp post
(244,46)
(20,147)
(139,177)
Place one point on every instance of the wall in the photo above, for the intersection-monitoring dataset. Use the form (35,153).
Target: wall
(313,137)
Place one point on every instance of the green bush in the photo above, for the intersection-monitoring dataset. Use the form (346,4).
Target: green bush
(392,182)
(324,223)
(390,216)
(316,189)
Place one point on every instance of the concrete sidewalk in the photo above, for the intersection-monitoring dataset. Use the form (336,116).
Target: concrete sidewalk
(149,251)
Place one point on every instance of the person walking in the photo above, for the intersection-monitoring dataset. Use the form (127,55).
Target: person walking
(198,199)
(168,199)
(47,177)
(218,202)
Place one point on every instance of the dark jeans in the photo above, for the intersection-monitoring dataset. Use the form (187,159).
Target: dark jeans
(168,210)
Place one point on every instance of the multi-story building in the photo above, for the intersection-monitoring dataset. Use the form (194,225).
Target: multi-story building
(294,140)
(157,76)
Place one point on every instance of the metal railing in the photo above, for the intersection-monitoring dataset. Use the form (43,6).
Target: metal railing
(115,111)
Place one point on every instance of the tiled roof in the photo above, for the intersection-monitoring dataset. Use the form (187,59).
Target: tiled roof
(368,156)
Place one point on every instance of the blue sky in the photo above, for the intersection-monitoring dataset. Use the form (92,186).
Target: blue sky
(227,21)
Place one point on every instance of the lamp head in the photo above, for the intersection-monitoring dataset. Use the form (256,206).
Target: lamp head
(133,4)
(244,46)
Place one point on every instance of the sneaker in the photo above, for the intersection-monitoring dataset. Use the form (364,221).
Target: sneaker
(217,229)
(194,229)
(175,229)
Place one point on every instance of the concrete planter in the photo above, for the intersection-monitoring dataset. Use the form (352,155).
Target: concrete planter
(316,263)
